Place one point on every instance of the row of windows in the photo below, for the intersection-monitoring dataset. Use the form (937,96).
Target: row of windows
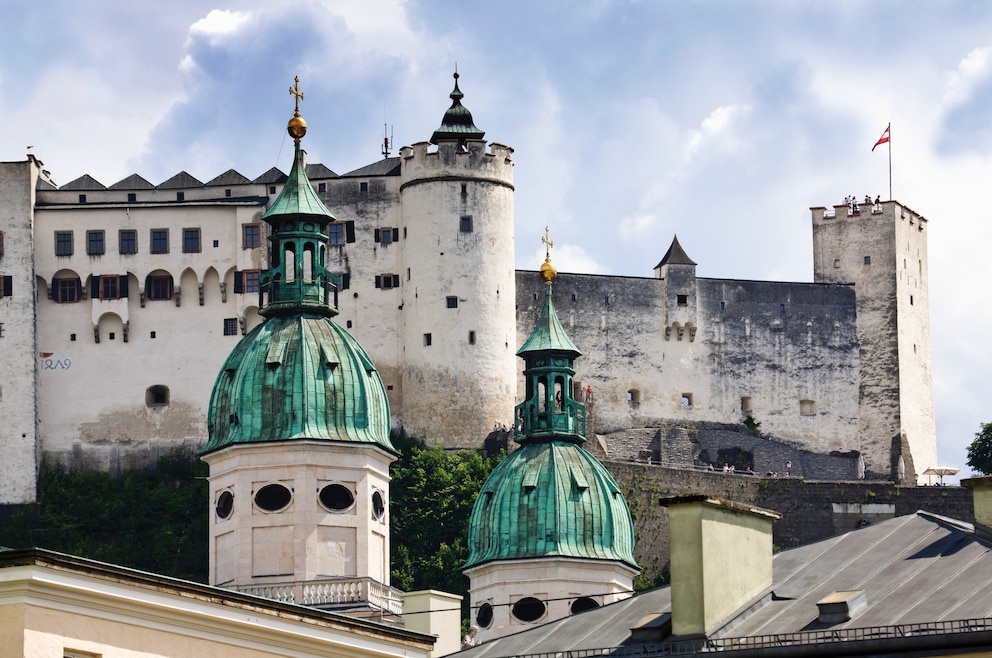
(127,241)
(132,197)
(276,497)
(69,290)
(429,338)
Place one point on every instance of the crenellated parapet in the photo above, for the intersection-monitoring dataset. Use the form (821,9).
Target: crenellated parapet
(450,160)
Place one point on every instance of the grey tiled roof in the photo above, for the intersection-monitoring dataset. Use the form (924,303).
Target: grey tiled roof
(132,182)
(271,176)
(317,170)
(675,255)
(229,177)
(182,180)
(384,167)
(84,183)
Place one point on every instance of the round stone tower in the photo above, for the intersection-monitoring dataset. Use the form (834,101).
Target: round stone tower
(299,448)
(458,313)
(550,534)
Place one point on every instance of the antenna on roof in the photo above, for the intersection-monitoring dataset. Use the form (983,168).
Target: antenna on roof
(387,139)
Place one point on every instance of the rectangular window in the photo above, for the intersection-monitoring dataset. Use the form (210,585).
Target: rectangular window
(867,260)
(321,188)
(746,404)
(110,287)
(160,240)
(191,240)
(471,338)
(128,242)
(63,243)
(427,340)
(723,306)
(159,287)
(335,233)
(132,197)
(251,235)
(452,302)
(227,192)
(687,400)
(251,281)
(465,224)
(363,188)
(272,189)
(180,196)
(82,198)
(94,243)
(1,244)
(230,326)
(682,300)
(6,286)
(387,281)
(66,291)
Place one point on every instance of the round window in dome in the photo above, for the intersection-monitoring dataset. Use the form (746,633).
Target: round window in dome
(484,617)
(336,497)
(582,604)
(378,506)
(225,504)
(273,497)
(528,609)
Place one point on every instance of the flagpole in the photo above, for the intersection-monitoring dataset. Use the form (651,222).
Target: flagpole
(890,162)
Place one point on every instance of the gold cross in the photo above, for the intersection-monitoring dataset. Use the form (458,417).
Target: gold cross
(296,92)
(547,244)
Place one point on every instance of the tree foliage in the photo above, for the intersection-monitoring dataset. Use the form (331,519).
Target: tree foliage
(980,450)
(154,520)
(432,493)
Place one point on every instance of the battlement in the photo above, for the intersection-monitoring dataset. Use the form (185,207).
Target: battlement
(886,209)
(476,158)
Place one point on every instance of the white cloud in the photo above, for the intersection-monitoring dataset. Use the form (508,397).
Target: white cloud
(973,70)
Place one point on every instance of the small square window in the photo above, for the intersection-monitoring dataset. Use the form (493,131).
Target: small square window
(128,242)
(160,240)
(867,260)
(151,334)
(465,224)
(272,189)
(348,324)
(687,400)
(82,198)
(321,188)
(452,302)
(723,306)
(131,197)
(63,243)
(94,243)
(191,240)
(387,235)
(746,404)
(227,192)
(251,235)
(230,326)
(682,300)
(159,287)
(427,340)
(216,243)
(180,196)
(363,188)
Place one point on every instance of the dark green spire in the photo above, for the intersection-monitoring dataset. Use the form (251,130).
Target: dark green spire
(457,122)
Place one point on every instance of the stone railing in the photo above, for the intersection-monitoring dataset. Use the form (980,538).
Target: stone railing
(331,593)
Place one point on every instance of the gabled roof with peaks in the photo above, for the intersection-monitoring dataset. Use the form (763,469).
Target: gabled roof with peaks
(132,182)
(229,177)
(273,175)
(384,167)
(84,183)
(675,255)
(180,181)
(318,170)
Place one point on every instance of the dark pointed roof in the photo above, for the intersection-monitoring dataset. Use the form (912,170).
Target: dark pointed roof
(384,167)
(132,182)
(182,180)
(44,185)
(319,171)
(271,176)
(675,255)
(83,184)
(457,122)
(229,177)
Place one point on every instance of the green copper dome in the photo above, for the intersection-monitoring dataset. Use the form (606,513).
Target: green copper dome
(550,497)
(298,375)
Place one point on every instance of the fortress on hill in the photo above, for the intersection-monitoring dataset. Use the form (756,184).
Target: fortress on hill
(121,302)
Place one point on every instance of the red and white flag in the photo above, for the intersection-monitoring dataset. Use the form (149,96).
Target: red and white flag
(883,139)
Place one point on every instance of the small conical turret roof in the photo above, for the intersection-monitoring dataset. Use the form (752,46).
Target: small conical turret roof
(675,255)
(457,122)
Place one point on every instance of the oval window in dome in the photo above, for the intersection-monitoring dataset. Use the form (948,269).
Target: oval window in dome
(484,617)
(336,497)
(528,609)
(225,504)
(378,506)
(582,604)
(273,497)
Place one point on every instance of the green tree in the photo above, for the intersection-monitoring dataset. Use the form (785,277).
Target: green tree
(980,450)
(433,492)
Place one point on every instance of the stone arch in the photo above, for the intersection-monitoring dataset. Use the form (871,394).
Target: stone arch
(189,287)
(110,327)
(66,287)
(135,295)
(159,286)
(251,318)
(227,285)
(211,287)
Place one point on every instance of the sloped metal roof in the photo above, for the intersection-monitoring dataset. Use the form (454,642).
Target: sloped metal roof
(297,196)
(271,176)
(548,334)
(319,171)
(675,255)
(132,182)
(384,167)
(919,569)
(180,181)
(229,177)
(84,183)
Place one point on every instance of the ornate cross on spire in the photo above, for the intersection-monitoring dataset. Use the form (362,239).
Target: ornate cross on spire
(547,244)
(295,91)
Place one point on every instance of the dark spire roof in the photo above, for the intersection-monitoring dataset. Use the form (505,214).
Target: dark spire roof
(675,255)
(457,122)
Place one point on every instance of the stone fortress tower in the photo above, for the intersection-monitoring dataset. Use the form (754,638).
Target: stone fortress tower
(882,250)
(299,448)
(550,533)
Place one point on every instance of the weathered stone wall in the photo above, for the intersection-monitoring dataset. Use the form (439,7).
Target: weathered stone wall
(811,510)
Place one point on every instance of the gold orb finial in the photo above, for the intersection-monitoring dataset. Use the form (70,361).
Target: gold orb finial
(297,126)
(548,270)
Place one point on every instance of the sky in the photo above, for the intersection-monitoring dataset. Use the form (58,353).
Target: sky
(632,121)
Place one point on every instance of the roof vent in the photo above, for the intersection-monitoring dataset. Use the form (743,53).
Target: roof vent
(842,606)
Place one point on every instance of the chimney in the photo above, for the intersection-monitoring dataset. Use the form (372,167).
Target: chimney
(981,495)
(435,613)
(721,560)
